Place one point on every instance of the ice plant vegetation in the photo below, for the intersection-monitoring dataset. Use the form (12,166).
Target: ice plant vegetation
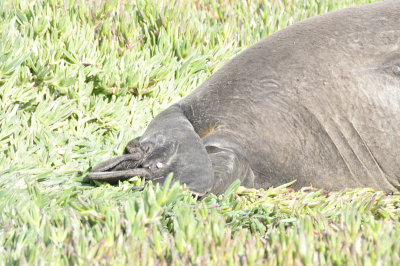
(80,78)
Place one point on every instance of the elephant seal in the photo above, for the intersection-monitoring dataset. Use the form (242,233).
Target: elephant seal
(318,101)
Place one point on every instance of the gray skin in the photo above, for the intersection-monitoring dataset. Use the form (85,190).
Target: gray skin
(318,102)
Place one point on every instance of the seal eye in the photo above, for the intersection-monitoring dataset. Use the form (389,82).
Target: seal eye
(132,147)
(396,69)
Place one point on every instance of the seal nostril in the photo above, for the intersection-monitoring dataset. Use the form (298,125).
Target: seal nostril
(396,69)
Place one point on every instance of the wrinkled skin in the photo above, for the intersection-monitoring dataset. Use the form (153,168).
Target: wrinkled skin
(318,102)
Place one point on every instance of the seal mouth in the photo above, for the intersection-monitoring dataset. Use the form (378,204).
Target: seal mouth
(119,168)
(112,176)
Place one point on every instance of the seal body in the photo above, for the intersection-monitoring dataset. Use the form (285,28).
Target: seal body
(318,102)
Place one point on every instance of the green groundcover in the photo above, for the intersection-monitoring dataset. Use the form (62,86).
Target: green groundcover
(79,79)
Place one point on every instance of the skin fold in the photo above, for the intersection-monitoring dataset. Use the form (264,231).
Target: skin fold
(318,101)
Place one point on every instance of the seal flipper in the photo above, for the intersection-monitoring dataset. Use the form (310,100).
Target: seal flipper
(228,165)
(170,144)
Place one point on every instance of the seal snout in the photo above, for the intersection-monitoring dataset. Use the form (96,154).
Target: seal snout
(117,163)
(119,168)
